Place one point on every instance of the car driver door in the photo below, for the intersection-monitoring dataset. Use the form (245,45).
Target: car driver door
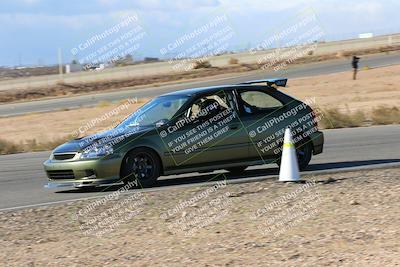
(208,132)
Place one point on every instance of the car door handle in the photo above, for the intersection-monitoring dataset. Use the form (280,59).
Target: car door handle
(234,126)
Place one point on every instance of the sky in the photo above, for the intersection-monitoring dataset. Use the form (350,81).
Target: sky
(32,31)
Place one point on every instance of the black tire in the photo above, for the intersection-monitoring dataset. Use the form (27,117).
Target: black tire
(237,170)
(304,155)
(142,164)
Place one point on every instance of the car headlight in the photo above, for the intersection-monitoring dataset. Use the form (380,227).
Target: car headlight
(97,152)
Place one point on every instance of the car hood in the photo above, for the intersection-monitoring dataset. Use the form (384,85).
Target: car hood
(105,137)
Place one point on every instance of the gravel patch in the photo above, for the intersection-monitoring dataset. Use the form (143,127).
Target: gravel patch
(346,219)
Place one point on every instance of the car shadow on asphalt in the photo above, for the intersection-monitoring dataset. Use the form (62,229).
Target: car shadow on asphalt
(187,179)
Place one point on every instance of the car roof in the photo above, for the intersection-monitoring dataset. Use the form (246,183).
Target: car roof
(200,90)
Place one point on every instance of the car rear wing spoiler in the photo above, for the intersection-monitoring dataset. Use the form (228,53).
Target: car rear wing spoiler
(277,82)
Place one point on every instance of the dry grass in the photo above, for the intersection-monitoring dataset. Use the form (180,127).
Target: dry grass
(103,104)
(385,115)
(333,118)
(202,64)
(7,147)
(233,61)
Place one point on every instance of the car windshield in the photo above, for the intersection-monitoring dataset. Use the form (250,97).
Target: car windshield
(162,108)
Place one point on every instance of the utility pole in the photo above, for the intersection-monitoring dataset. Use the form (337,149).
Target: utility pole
(60,65)
(389,40)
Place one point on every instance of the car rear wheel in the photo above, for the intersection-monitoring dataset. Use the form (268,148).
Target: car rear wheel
(237,170)
(304,154)
(141,165)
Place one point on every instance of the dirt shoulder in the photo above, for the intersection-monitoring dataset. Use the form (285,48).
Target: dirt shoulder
(60,125)
(346,219)
(373,88)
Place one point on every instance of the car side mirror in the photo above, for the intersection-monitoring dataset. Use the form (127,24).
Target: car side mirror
(161,123)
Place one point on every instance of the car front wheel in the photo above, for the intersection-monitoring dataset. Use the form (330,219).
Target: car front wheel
(141,165)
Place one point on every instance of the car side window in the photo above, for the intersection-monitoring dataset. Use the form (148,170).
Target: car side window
(209,105)
(258,101)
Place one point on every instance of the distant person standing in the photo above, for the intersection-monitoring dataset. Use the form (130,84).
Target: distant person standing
(354,63)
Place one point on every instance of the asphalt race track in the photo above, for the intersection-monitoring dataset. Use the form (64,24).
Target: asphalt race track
(22,177)
(295,71)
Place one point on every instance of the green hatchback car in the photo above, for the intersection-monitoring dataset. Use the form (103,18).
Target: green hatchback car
(195,130)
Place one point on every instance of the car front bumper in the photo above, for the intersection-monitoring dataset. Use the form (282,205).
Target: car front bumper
(82,173)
